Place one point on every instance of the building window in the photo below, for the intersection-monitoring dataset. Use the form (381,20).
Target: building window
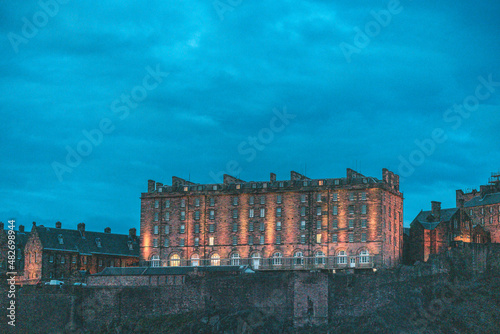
(278,212)
(183,202)
(363,196)
(318,211)
(335,197)
(318,238)
(363,237)
(250,226)
(277,259)
(262,226)
(318,224)
(251,200)
(183,215)
(363,223)
(235,240)
(250,239)
(175,260)
(156,216)
(262,200)
(167,203)
(251,213)
(63,259)
(182,228)
(320,182)
(491,220)
(342,257)
(212,201)
(214,187)
(351,237)
(351,223)
(235,259)
(195,260)
(196,242)
(302,211)
(334,210)
(262,240)
(211,241)
(167,215)
(167,242)
(155,229)
(278,226)
(211,214)
(84,260)
(215,260)
(181,242)
(235,213)
(351,209)
(351,196)
(235,200)
(51,259)
(235,227)
(298,258)
(302,224)
(238,186)
(60,239)
(305,183)
(364,257)
(155,261)
(196,202)
(318,197)
(335,224)
(363,210)
(281,184)
(155,242)
(98,242)
(73,259)
(278,199)
(211,228)
(319,258)
(278,239)
(262,212)
(254,185)
(303,239)
(196,228)
(302,198)
(334,238)
(167,229)
(157,204)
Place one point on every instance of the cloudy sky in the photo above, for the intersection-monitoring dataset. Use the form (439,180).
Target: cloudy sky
(98,98)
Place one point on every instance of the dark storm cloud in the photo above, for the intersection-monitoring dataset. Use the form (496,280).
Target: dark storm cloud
(225,78)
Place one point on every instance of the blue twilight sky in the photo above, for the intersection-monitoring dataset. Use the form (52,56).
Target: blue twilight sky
(197,88)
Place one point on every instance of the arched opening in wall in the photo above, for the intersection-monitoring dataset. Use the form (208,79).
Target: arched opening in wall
(195,260)
(235,259)
(155,260)
(364,256)
(256,260)
(342,257)
(298,258)
(215,260)
(319,258)
(175,260)
(277,259)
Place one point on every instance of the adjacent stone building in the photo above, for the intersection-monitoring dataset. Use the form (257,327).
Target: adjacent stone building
(483,206)
(435,231)
(56,253)
(301,223)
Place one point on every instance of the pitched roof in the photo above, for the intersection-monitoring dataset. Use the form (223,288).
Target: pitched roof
(73,241)
(486,200)
(428,221)
(147,271)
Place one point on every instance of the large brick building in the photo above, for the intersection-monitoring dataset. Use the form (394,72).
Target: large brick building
(355,221)
(483,206)
(56,253)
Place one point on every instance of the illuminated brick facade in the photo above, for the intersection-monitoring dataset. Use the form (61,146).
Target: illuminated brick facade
(349,219)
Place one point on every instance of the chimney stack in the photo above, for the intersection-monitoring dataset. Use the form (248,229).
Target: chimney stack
(21,228)
(107,230)
(81,228)
(151,186)
(436,209)
(273,177)
(1,225)
(58,224)
(132,232)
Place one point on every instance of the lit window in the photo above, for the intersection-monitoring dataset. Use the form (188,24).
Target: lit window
(215,260)
(211,241)
(318,238)
(320,182)
(186,188)
(238,186)
(175,260)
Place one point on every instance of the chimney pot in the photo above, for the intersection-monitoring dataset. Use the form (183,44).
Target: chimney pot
(58,224)
(107,230)
(1,225)
(21,228)
(273,177)
(132,232)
